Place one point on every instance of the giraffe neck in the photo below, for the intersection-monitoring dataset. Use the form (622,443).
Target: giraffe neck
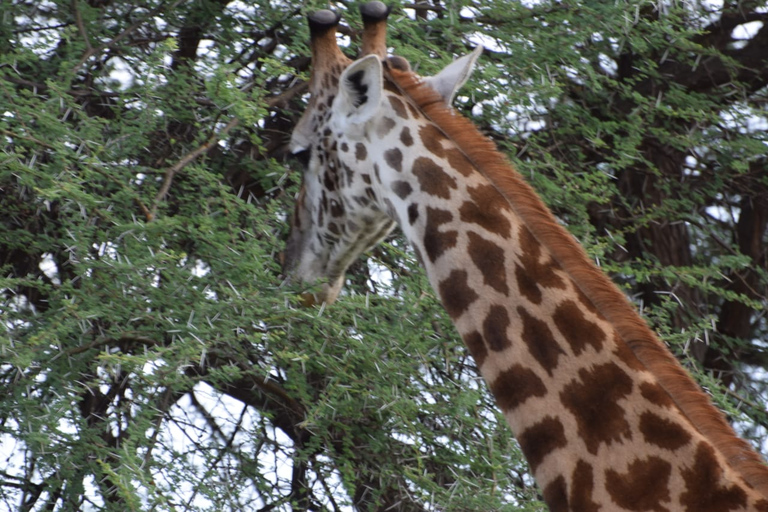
(597,425)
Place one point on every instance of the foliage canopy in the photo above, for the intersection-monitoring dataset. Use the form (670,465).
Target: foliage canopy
(151,358)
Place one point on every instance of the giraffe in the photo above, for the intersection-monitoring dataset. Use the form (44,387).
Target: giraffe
(606,417)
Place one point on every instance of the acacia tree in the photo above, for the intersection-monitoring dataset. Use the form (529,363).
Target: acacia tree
(151,358)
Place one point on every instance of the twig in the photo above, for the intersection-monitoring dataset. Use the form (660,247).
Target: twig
(283,98)
(15,135)
(40,29)
(740,398)
(105,341)
(186,159)
(81,26)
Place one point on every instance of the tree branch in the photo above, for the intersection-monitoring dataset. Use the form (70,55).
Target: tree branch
(90,52)
(184,161)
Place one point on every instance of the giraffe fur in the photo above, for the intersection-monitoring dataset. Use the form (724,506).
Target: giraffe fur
(604,414)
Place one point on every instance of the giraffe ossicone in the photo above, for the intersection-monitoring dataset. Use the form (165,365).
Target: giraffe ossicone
(606,417)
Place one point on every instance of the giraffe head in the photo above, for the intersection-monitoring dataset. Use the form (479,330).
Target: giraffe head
(340,210)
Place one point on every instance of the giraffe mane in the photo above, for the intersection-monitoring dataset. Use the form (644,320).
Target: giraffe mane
(592,281)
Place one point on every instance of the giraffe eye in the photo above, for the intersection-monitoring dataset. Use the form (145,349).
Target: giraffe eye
(303,156)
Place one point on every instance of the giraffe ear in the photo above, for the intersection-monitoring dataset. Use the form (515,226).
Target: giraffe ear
(360,90)
(448,81)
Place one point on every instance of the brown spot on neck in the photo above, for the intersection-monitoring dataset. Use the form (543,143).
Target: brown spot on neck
(361,153)
(576,328)
(477,348)
(495,328)
(399,107)
(704,490)
(515,385)
(487,209)
(432,139)
(489,259)
(645,486)
(541,439)
(456,294)
(432,178)
(663,432)
(582,488)
(402,189)
(458,161)
(540,341)
(594,402)
(532,275)
(413,213)
(436,242)
(405,136)
(385,126)
(394,158)
(555,494)
(656,394)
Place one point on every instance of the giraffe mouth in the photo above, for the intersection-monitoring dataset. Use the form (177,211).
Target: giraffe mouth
(331,269)
(328,294)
